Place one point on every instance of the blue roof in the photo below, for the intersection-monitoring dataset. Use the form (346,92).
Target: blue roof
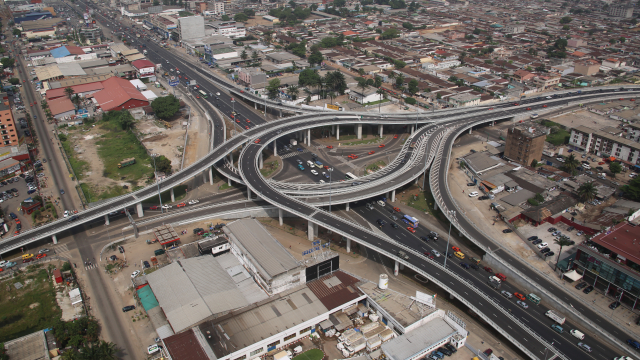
(60,52)
(33,16)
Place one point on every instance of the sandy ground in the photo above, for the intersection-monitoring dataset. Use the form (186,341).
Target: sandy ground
(586,118)
(163,141)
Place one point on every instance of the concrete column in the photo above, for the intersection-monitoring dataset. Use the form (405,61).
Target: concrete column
(308,137)
(248,194)
(415,181)
(261,160)
(139,210)
(280,112)
(315,229)
(275,148)
(451,296)
(347,206)
(106,219)
(359,131)
(231,158)
(348,245)
(396,268)
(173,197)
(229,181)
(393,195)
(210,175)
(435,205)
(55,239)
(380,129)
(413,128)
(493,123)
(333,129)
(280,215)
(337,132)
(310,230)
(255,105)
(470,130)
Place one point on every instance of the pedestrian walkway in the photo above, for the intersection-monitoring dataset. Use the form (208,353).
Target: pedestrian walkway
(91,266)
(292,154)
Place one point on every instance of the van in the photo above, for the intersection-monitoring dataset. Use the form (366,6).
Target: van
(27,256)
(158,252)
(475,261)
(381,203)
(501,276)
(577,334)
(459,255)
(557,328)
(495,279)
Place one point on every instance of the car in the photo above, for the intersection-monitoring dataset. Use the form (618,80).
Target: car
(61,192)
(584,347)
(580,233)
(614,305)
(506,231)
(381,145)
(181,205)
(536,242)
(471,184)
(552,229)
(488,352)
(40,256)
(544,106)
(121,249)
(581,285)
(27,260)
(531,238)
(550,253)
(13,216)
(542,245)
(522,304)
(483,197)
(588,289)
(42,251)
(257,141)
(371,152)
(506,294)
(488,269)
(135,273)
(394,225)
(464,265)
(146,264)
(194,201)
(473,194)
(330,147)
(435,253)
(395,136)
(411,229)
(560,159)
(424,238)
(128,308)
(300,167)
(515,104)
(528,108)
(634,344)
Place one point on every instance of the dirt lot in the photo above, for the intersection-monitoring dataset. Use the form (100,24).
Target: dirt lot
(586,118)
(160,140)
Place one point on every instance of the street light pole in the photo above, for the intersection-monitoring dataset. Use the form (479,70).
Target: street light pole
(330,170)
(446,253)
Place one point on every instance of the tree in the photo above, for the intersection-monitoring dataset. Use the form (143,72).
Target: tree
(571,164)
(163,164)
(165,107)
(413,86)
(390,34)
(615,168)
(622,39)
(534,163)
(407,25)
(69,91)
(477,31)
(587,192)
(362,83)
(244,55)
(76,99)
(17,32)
(254,56)
(293,91)
(273,88)
(399,80)
(377,82)
(7,62)
(14,81)
(383,95)
(241,17)
(565,27)
(315,58)
(308,77)
(249,12)
(566,20)
(562,242)
(225,17)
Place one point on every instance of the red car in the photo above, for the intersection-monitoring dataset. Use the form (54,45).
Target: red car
(411,229)
(490,108)
(329,147)
(428,254)
(40,256)
(395,136)
(238,121)
(544,106)
(352,156)
(515,104)
(371,152)
(528,108)
(396,209)
(257,141)
(154,207)
(632,99)
(488,269)
(181,205)
(27,260)
(519,296)
(381,145)
(197,97)
(31,104)
(246,127)
(249,121)
(621,98)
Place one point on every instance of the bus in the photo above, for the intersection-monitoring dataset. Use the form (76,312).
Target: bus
(411,221)
(534,298)
(350,176)
(203,94)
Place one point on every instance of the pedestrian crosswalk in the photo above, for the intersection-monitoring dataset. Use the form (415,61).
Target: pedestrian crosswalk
(62,251)
(90,266)
(292,154)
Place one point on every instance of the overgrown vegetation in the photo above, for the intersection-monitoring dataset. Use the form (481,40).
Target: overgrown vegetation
(558,133)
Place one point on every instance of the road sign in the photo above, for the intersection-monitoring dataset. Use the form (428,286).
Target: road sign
(173,81)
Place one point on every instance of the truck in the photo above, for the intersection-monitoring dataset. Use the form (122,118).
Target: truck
(293,142)
(555,316)
(144,52)
(494,282)
(126,162)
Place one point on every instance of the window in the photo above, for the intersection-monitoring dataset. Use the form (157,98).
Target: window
(241,357)
(287,338)
(256,352)
(305,330)
(274,344)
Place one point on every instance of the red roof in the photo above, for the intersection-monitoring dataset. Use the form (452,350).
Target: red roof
(116,92)
(185,346)
(349,33)
(333,297)
(621,239)
(60,105)
(142,63)
(77,89)
(74,50)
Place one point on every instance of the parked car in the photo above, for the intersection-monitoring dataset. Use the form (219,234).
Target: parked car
(588,289)
(128,308)
(581,286)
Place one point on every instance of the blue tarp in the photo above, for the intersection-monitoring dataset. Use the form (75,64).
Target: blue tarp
(60,52)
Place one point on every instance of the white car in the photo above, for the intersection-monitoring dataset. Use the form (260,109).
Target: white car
(191,202)
(42,251)
(218,93)
(435,253)
(473,194)
(560,159)
(586,166)
(314,172)
(542,245)
(135,273)
(66,213)
(321,181)
(548,97)
(167,206)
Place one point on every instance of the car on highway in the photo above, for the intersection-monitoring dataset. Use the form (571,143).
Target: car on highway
(424,238)
(634,344)
(506,294)
(411,229)
(40,256)
(488,269)
(464,265)
(330,147)
(395,136)
(584,347)
(300,167)
(167,206)
(181,205)
(381,145)
(257,141)
(371,152)
(394,225)
(522,304)
(194,201)
(314,172)
(435,253)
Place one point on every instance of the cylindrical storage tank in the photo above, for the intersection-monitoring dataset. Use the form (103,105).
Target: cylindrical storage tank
(383,283)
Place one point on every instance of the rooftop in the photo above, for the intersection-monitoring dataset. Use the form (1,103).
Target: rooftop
(621,239)
(412,343)
(530,131)
(404,309)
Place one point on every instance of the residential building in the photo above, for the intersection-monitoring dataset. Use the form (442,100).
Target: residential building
(514,29)
(282,57)
(522,76)
(8,129)
(613,63)
(586,67)
(622,11)
(144,69)
(364,96)
(253,77)
(92,34)
(525,143)
(215,8)
(574,43)
(545,81)
(466,99)
(228,28)
(191,27)
(604,144)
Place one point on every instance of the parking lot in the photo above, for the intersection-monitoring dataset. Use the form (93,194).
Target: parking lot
(542,232)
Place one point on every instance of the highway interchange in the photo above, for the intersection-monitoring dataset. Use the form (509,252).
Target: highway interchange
(466,284)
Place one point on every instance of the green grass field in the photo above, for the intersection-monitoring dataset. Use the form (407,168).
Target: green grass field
(116,145)
(312,354)
(78,166)
(92,196)
(29,309)
(559,135)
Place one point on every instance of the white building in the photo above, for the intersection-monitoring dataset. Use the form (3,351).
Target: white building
(228,28)
(368,95)
(604,144)
(466,99)
(439,65)
(191,27)
(514,29)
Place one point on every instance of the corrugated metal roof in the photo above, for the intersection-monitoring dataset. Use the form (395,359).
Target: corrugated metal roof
(267,252)
(406,346)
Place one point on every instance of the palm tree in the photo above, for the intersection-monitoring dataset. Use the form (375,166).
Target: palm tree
(562,242)
(76,99)
(293,91)
(571,164)
(384,96)
(587,192)
(331,95)
(44,104)
(69,91)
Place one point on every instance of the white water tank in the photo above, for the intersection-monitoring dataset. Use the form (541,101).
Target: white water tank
(383,283)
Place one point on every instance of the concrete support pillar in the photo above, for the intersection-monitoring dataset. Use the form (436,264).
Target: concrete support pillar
(308,137)
(413,128)
(470,130)
(255,105)
(300,136)
(415,181)
(173,197)
(435,205)
(393,195)
(275,148)
(347,206)
(280,215)
(231,158)
(315,229)
(280,112)
(348,245)
(55,239)
(210,175)
(359,131)
(261,160)
(139,210)
(451,296)
(333,129)
(396,268)
(337,132)
(380,129)
(493,123)
(106,219)
(229,181)
(310,231)
(248,194)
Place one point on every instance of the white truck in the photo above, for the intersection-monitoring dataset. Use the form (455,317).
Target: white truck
(555,316)
(144,52)
(293,142)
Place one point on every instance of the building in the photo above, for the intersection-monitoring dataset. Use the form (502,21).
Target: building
(8,129)
(514,29)
(586,67)
(119,94)
(215,8)
(604,144)
(611,263)
(282,57)
(273,19)
(466,99)
(93,34)
(228,28)
(546,81)
(253,77)
(61,107)
(481,162)
(525,144)
(145,69)
(622,11)
(191,27)
(364,96)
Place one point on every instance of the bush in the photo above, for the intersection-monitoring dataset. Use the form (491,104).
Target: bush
(533,202)
(410,101)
